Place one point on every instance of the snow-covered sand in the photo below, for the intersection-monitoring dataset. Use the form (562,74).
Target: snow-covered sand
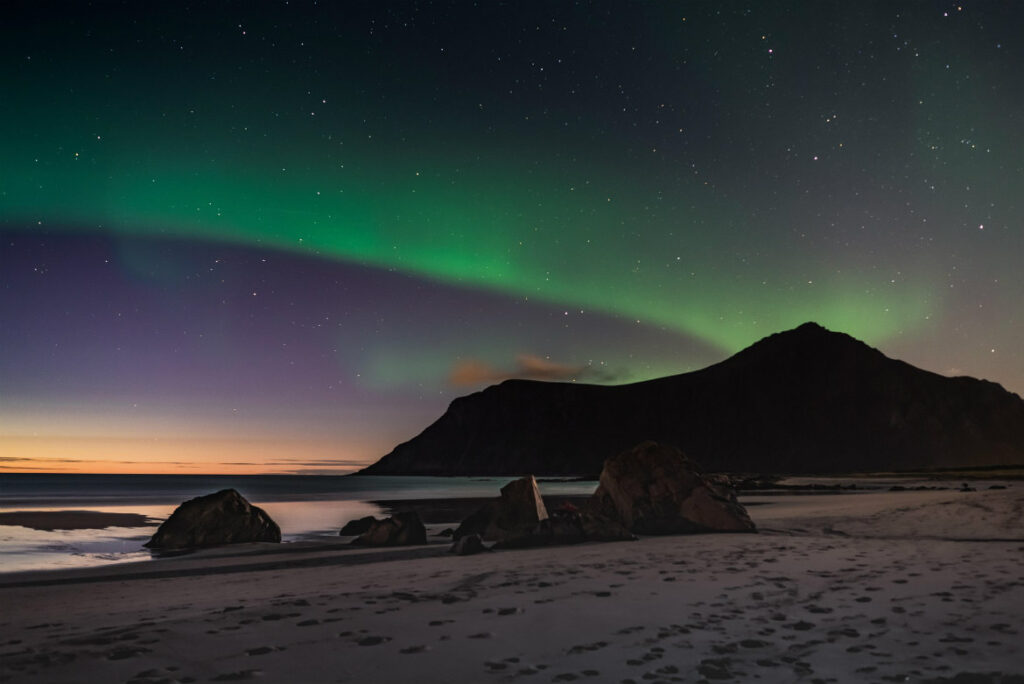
(883,586)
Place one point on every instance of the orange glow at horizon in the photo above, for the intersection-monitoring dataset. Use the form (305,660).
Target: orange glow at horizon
(192,455)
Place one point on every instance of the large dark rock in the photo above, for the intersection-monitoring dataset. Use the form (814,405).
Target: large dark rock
(805,400)
(401,529)
(221,518)
(654,489)
(518,509)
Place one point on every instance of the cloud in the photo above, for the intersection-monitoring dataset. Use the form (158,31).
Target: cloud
(47,460)
(320,471)
(35,459)
(334,463)
(22,468)
(527,366)
(298,463)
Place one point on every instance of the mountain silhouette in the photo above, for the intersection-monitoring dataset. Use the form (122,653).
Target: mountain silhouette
(806,400)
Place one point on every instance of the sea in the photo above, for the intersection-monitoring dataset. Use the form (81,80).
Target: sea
(306,507)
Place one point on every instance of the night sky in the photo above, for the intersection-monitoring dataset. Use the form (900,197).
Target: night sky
(281,237)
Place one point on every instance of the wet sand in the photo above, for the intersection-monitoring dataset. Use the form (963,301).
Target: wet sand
(877,587)
(73,520)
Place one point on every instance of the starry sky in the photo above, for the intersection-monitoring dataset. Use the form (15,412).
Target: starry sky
(283,236)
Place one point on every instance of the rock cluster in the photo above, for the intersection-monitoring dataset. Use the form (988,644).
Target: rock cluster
(569,527)
(224,517)
(401,529)
(649,489)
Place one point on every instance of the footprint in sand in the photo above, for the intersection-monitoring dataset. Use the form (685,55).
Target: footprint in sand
(155,678)
(754,643)
(584,648)
(125,652)
(800,626)
(413,649)
(270,617)
(716,668)
(372,640)
(240,675)
(844,632)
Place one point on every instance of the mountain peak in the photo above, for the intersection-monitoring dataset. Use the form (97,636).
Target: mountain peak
(808,346)
(811,326)
(811,331)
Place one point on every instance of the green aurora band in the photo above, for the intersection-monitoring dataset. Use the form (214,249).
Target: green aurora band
(515,232)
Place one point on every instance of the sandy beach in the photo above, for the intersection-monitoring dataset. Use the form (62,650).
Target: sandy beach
(917,586)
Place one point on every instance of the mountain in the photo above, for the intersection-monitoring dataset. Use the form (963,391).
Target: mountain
(806,400)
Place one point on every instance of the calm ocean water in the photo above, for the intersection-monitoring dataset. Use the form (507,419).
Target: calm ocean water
(305,506)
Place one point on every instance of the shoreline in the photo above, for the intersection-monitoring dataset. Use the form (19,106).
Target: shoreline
(881,586)
(794,602)
(85,538)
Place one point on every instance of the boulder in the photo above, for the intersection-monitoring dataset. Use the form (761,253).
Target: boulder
(468,545)
(654,489)
(354,527)
(603,528)
(557,530)
(517,511)
(568,527)
(221,518)
(401,529)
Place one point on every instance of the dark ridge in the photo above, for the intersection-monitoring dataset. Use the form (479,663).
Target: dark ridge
(807,400)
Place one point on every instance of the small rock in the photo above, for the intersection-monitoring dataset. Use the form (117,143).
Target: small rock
(401,529)
(357,527)
(468,545)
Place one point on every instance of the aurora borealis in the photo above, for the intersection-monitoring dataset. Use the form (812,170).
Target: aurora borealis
(282,236)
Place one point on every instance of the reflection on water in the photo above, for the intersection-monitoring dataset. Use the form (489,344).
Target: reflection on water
(304,519)
(25,549)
